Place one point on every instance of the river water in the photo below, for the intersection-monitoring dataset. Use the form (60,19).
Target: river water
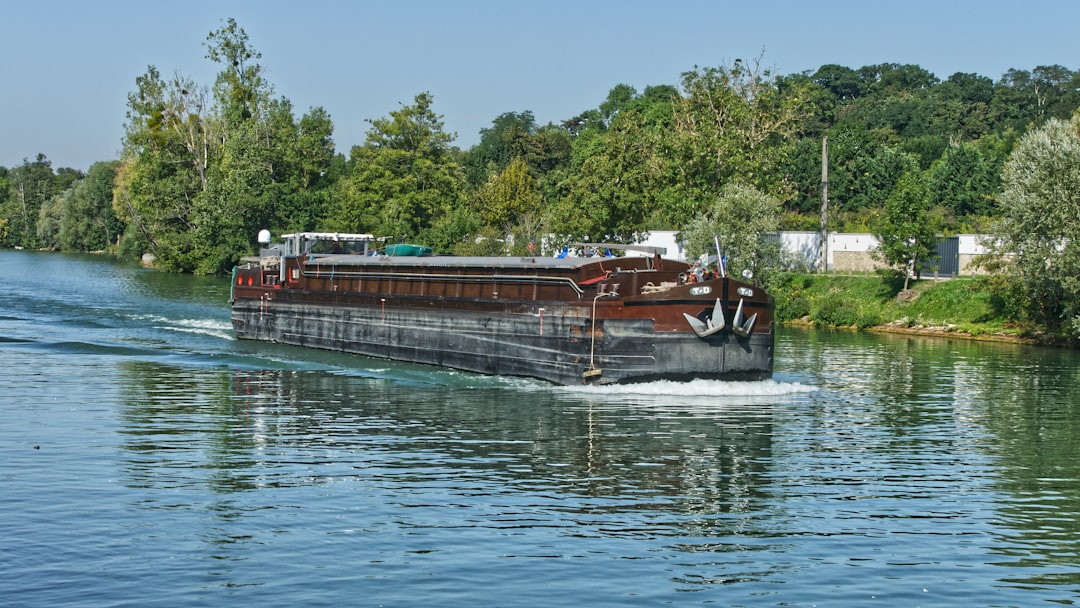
(149,459)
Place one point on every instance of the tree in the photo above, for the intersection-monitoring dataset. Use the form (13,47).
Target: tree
(1022,97)
(967,88)
(32,184)
(241,91)
(236,204)
(509,201)
(163,169)
(49,219)
(907,235)
(88,222)
(1040,229)
(843,82)
(5,217)
(740,219)
(506,139)
(735,124)
(404,178)
(197,183)
(962,181)
(617,190)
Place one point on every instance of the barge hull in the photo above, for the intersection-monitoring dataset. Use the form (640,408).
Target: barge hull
(559,344)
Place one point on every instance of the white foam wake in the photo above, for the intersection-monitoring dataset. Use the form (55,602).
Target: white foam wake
(217,328)
(699,388)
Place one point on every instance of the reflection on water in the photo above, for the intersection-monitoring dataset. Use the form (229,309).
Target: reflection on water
(721,473)
(609,464)
(976,418)
(259,427)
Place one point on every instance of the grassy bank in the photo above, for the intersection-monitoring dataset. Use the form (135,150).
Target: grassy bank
(979,308)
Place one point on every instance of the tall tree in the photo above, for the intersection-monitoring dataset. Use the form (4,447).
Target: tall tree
(241,91)
(5,216)
(963,182)
(510,200)
(31,184)
(404,178)
(907,234)
(735,124)
(507,138)
(88,221)
(617,188)
(1040,231)
(167,152)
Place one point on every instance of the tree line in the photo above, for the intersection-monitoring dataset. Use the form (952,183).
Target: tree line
(727,150)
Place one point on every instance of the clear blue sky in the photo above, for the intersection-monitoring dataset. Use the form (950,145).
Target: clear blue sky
(66,67)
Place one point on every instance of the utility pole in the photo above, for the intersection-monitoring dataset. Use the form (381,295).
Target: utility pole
(823,247)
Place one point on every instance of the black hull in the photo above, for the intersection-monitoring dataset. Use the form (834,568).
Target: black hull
(561,345)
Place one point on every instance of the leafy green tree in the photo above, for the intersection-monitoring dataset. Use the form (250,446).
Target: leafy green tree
(905,115)
(862,171)
(1040,230)
(967,88)
(822,105)
(506,139)
(241,91)
(404,178)
(615,190)
(963,182)
(802,170)
(1056,93)
(736,124)
(741,218)
(1023,98)
(510,201)
(48,223)
(881,176)
(235,205)
(53,211)
(31,184)
(5,193)
(168,148)
(306,172)
(907,235)
(198,182)
(843,82)
(88,222)
(893,78)
(924,149)
(961,110)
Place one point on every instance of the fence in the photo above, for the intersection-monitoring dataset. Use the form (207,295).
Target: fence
(853,252)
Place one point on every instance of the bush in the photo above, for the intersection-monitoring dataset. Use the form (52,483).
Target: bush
(834,310)
(788,290)
(1008,298)
(837,310)
(789,307)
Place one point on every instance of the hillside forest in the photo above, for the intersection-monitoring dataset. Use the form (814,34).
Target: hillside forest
(205,166)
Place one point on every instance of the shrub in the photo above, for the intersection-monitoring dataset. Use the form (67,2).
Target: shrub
(834,310)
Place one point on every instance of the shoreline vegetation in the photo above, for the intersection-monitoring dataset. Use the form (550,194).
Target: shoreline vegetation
(971,308)
(982,308)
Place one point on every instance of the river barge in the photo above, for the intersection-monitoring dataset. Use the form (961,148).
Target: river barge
(566,320)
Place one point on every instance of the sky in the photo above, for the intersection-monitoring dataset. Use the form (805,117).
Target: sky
(66,67)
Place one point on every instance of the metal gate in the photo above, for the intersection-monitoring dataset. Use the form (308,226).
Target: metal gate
(946,258)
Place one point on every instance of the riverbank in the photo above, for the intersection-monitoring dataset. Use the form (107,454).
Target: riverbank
(983,308)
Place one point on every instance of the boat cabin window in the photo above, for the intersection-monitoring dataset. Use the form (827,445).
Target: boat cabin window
(337,247)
